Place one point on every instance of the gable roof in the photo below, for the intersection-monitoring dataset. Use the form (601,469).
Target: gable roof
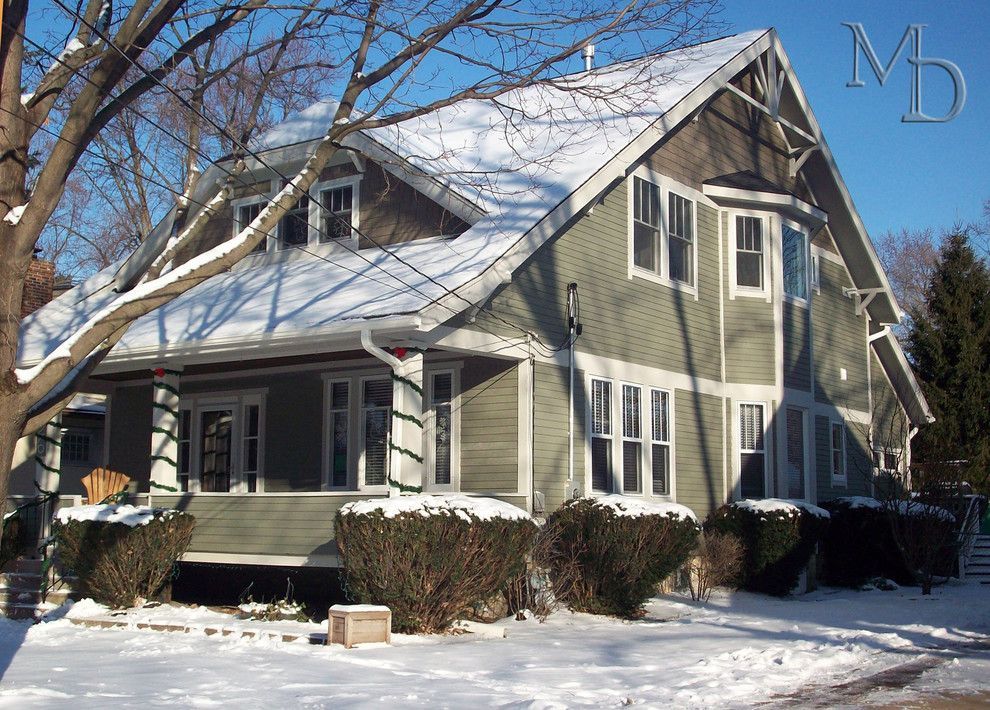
(521,168)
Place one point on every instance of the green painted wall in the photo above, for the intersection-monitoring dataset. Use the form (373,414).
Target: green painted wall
(839,342)
(796,329)
(698,448)
(489,425)
(550,389)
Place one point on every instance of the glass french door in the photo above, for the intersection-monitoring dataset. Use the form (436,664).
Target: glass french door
(216,448)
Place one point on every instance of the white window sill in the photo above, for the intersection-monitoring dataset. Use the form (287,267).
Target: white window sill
(653,277)
(796,300)
(743,292)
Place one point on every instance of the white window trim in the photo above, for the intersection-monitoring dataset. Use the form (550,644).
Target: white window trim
(672,455)
(666,186)
(235,401)
(429,423)
(329,379)
(354,181)
(179,473)
(808,279)
(263,198)
(838,480)
(893,450)
(770,237)
(616,437)
(737,439)
(618,475)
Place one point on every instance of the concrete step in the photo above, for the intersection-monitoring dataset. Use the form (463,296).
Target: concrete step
(31,595)
(21,611)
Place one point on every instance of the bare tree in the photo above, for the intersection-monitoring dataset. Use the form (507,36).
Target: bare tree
(396,61)
(909,258)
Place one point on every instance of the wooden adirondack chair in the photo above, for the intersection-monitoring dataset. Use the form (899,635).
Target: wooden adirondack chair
(101,483)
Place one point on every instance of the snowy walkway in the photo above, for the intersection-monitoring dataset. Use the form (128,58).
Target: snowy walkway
(740,650)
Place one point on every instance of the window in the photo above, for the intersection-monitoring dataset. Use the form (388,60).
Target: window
(293,229)
(794,419)
(76,447)
(680,239)
(795,267)
(246,214)
(646,225)
(752,454)
(339,416)
(216,431)
(660,442)
(185,448)
(816,274)
(837,445)
(376,420)
(336,210)
(601,435)
(251,446)
(441,401)
(632,440)
(887,461)
(749,253)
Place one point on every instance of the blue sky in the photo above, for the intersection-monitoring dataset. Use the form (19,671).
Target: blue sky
(900,174)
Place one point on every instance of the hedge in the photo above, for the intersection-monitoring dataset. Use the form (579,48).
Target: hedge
(121,554)
(611,553)
(430,558)
(779,538)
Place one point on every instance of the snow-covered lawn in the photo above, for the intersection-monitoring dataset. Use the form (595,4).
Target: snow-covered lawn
(738,650)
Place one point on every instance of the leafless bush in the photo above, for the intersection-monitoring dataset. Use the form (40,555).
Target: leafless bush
(533,589)
(717,562)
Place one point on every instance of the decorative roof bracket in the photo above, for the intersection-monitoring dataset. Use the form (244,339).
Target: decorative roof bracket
(866,295)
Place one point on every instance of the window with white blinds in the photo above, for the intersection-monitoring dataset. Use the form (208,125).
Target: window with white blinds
(660,442)
(795,453)
(339,416)
(632,440)
(601,435)
(442,396)
(752,454)
(376,419)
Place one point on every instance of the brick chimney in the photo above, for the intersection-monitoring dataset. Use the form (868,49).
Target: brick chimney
(37,286)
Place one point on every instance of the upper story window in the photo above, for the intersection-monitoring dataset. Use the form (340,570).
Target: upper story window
(293,228)
(244,215)
(750,248)
(795,258)
(663,243)
(336,210)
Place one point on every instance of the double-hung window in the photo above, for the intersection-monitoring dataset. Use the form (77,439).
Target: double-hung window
(752,451)
(660,442)
(441,444)
(293,228)
(376,424)
(632,440)
(336,213)
(750,251)
(646,225)
(338,444)
(601,435)
(795,266)
(837,448)
(245,215)
(680,239)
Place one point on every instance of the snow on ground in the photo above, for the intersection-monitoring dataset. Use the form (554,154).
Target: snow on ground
(739,650)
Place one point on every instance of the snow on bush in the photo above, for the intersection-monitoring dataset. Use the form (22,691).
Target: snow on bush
(611,553)
(121,554)
(465,507)
(429,558)
(779,537)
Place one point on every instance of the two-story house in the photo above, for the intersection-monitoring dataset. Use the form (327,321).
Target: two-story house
(413,323)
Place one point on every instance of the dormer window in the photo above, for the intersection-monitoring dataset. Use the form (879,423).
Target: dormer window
(293,229)
(336,211)
(246,214)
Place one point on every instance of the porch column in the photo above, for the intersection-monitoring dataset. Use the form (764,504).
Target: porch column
(406,470)
(165,427)
(48,455)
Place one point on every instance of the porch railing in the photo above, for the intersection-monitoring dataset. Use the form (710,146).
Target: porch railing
(976,506)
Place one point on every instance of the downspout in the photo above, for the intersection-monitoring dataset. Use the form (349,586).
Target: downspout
(882,333)
(388,358)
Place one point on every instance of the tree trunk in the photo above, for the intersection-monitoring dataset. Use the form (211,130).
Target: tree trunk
(10,433)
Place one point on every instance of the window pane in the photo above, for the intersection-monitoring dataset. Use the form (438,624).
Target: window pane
(630,412)
(337,210)
(376,431)
(442,387)
(601,464)
(749,252)
(681,260)
(795,453)
(601,396)
(661,417)
(661,469)
(215,459)
(339,395)
(645,240)
(646,225)
(338,454)
(630,467)
(378,393)
(185,436)
(751,427)
(441,459)
(251,455)
(795,263)
(246,215)
(251,420)
(751,466)
(749,269)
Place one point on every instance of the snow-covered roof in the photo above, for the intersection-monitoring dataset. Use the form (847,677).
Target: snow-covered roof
(518,160)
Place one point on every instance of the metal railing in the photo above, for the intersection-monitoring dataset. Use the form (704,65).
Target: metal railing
(969,529)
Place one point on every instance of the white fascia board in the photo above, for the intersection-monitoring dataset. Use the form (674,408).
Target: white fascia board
(469,341)
(528,242)
(826,155)
(789,204)
(901,369)
(334,337)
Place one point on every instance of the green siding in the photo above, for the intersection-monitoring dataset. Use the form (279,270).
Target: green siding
(489,426)
(550,433)
(130,432)
(698,445)
(261,525)
(672,329)
(839,342)
(797,346)
(890,426)
(858,468)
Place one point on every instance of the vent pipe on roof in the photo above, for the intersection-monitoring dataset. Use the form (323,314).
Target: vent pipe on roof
(589,56)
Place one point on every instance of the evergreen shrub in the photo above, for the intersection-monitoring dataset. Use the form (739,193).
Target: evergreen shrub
(779,538)
(120,564)
(431,558)
(611,553)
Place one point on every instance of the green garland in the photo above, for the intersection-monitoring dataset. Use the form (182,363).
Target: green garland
(166,432)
